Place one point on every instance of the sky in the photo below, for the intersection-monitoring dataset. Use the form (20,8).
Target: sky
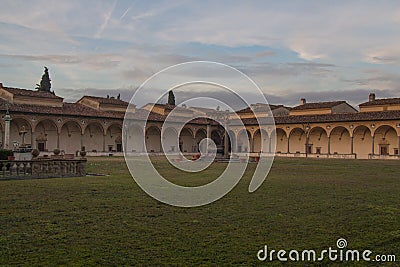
(320,50)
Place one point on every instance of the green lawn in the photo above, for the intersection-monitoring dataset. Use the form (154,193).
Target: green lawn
(109,220)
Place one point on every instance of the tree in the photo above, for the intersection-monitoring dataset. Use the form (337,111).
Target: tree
(45,83)
(171,98)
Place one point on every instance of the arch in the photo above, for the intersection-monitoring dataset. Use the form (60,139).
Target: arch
(386,140)
(114,124)
(186,144)
(218,140)
(340,140)
(113,138)
(297,141)
(77,122)
(20,133)
(153,139)
(46,135)
(93,139)
(362,141)
(260,141)
(134,138)
(70,137)
(200,135)
(170,140)
(279,141)
(243,141)
(318,141)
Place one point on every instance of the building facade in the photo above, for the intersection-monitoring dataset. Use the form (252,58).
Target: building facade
(44,121)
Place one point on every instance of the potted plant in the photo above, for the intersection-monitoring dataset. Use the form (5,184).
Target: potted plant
(56,151)
(6,154)
(35,153)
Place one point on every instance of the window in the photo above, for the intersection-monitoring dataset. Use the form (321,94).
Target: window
(396,151)
(318,150)
(110,148)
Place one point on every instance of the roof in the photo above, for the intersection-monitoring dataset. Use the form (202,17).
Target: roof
(68,109)
(104,100)
(171,107)
(337,117)
(260,107)
(318,105)
(383,101)
(31,93)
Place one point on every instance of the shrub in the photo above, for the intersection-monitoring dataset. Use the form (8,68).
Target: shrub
(4,153)
(35,153)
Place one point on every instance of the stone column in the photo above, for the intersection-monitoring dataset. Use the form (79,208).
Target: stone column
(226,143)
(352,145)
(288,145)
(269,144)
(373,145)
(81,141)
(104,143)
(398,147)
(33,143)
(7,120)
(307,140)
(58,140)
(208,136)
(251,141)
(329,145)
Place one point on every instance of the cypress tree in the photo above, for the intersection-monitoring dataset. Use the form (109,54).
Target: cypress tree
(45,83)
(171,98)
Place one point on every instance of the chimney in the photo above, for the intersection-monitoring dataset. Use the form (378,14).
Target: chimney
(1,85)
(302,101)
(371,97)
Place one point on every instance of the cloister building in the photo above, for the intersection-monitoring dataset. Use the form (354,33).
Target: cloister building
(42,120)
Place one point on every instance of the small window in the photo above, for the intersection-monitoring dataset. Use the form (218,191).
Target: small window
(396,151)
(318,150)
(110,148)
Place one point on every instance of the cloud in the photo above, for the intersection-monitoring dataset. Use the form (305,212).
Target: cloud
(287,47)
(96,62)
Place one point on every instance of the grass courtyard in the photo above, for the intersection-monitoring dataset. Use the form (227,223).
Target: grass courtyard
(109,220)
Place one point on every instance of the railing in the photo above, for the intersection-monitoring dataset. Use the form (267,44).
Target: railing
(315,155)
(370,156)
(42,168)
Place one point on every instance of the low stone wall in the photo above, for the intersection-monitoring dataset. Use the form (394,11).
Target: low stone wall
(42,168)
(370,156)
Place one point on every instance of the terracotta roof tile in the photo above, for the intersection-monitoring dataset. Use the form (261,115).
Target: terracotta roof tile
(383,101)
(67,109)
(26,92)
(261,108)
(339,117)
(104,100)
(318,105)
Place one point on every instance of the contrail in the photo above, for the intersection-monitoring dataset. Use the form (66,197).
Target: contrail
(126,12)
(105,22)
